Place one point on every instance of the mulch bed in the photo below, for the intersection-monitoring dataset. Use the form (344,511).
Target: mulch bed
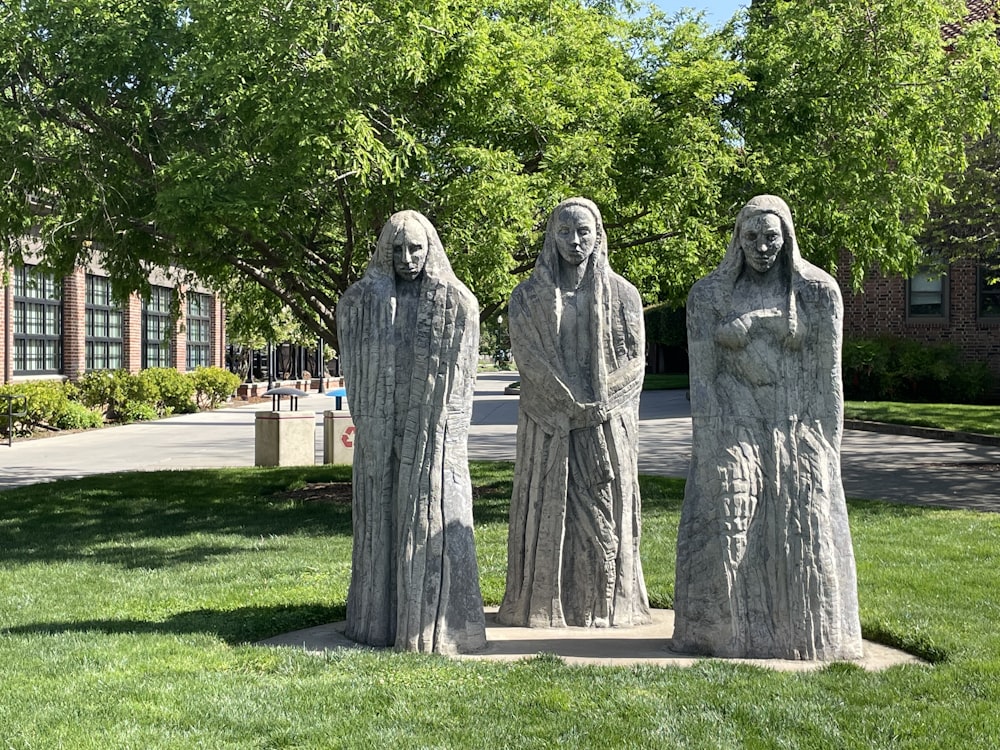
(337,493)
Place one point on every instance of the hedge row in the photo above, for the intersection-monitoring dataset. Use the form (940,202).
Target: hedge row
(889,369)
(117,396)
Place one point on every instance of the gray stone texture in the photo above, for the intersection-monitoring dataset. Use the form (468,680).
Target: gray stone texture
(765,567)
(576,330)
(409,337)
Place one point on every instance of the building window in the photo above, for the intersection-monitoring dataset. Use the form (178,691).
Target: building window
(927,295)
(989,293)
(157,327)
(104,341)
(199,319)
(37,322)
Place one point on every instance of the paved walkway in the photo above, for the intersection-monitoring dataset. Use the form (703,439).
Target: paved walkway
(878,466)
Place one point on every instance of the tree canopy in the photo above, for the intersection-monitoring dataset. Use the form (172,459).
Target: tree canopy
(265,143)
(860,112)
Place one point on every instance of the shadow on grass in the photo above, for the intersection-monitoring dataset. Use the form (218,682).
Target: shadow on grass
(118,518)
(234,626)
(151,557)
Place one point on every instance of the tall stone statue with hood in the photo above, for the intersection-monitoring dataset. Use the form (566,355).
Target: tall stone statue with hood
(409,338)
(576,331)
(765,567)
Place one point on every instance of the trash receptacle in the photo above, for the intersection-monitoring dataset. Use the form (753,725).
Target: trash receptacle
(338,438)
(285,438)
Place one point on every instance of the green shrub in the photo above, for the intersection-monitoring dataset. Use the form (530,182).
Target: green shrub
(213,386)
(889,369)
(973,383)
(43,401)
(167,390)
(865,363)
(48,404)
(76,416)
(137,411)
(122,396)
(104,390)
(666,325)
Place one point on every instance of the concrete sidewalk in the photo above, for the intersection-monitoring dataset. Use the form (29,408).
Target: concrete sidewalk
(896,468)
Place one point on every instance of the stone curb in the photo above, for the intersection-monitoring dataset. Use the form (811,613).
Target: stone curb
(931,433)
(639,645)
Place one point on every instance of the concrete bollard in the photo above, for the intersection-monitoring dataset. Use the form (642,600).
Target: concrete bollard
(285,438)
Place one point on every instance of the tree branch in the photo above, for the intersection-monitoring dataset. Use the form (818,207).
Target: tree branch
(644,240)
(349,246)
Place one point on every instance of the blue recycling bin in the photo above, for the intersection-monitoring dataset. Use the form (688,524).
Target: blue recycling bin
(338,394)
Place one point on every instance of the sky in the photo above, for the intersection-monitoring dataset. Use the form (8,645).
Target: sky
(717,12)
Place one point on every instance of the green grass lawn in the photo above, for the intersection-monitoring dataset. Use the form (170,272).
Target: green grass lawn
(961,417)
(128,604)
(665,382)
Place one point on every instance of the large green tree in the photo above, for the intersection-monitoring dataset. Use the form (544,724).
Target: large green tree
(267,142)
(261,144)
(968,226)
(857,112)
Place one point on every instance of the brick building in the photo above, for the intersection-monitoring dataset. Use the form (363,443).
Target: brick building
(64,327)
(959,306)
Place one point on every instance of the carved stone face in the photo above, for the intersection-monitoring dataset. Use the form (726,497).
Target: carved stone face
(409,250)
(762,238)
(576,234)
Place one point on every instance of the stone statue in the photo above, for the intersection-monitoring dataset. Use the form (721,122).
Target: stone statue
(576,330)
(409,337)
(765,567)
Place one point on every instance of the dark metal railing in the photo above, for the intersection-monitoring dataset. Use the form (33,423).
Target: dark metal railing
(11,413)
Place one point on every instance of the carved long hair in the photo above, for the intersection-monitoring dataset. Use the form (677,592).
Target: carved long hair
(437,267)
(547,264)
(790,258)
(595,280)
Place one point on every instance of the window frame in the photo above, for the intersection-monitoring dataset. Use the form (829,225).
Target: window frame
(102,305)
(157,308)
(51,314)
(940,317)
(981,291)
(199,350)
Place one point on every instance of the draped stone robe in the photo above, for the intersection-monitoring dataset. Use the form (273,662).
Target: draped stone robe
(765,566)
(573,544)
(409,365)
